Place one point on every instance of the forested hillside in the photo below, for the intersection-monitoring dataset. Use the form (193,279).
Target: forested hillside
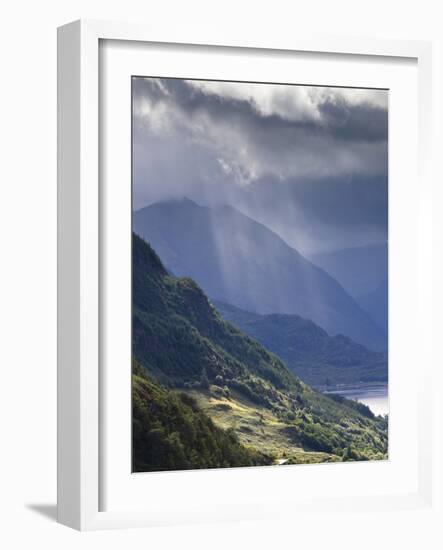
(182,342)
(308,351)
(171,433)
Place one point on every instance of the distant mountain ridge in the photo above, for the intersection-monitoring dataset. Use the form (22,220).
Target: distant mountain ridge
(239,261)
(359,270)
(376,304)
(363,272)
(308,351)
(182,343)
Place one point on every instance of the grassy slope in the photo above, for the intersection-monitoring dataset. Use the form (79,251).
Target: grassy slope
(258,427)
(182,341)
(171,433)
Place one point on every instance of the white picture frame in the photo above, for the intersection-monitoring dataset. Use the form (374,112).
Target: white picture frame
(80,261)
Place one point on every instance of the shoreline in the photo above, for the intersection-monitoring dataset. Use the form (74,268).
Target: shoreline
(350,387)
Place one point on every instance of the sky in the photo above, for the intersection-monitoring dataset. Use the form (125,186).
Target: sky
(309,162)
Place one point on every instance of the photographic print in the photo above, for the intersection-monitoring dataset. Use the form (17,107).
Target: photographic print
(259,274)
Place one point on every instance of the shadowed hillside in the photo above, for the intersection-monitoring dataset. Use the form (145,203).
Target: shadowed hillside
(182,342)
(363,273)
(241,262)
(308,351)
(376,304)
(359,270)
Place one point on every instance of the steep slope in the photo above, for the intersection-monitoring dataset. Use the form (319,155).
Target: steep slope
(169,310)
(183,343)
(308,351)
(239,261)
(363,272)
(359,270)
(375,303)
(171,433)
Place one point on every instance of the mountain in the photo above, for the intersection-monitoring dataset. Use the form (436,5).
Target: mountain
(241,262)
(375,303)
(308,351)
(362,271)
(171,433)
(359,270)
(183,344)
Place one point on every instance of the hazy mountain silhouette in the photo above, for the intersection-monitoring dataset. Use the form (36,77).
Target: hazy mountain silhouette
(308,351)
(362,271)
(376,304)
(240,261)
(359,270)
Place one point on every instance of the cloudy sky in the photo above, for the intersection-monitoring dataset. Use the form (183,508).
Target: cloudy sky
(308,162)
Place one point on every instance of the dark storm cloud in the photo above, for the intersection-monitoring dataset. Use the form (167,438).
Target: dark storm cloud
(361,122)
(338,119)
(318,155)
(364,121)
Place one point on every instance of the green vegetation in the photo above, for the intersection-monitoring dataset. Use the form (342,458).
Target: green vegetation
(183,343)
(308,351)
(178,336)
(171,433)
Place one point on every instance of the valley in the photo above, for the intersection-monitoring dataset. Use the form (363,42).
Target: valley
(181,342)
(239,261)
(308,351)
